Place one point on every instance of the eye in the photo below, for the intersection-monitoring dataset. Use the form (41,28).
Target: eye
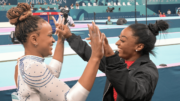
(121,40)
(50,35)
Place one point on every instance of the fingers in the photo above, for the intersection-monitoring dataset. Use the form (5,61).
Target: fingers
(59,20)
(59,31)
(62,23)
(98,32)
(54,20)
(90,31)
(87,38)
(90,43)
(102,38)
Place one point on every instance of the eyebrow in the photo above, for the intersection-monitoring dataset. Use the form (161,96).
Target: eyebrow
(123,36)
(51,32)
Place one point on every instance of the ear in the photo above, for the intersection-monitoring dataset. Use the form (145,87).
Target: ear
(139,47)
(33,38)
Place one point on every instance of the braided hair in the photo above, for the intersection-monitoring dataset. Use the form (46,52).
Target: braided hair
(25,23)
(147,34)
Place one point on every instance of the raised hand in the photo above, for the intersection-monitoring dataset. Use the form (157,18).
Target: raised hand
(59,25)
(61,28)
(97,40)
(107,49)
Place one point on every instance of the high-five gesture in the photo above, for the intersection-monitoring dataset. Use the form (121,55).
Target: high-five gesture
(61,28)
(97,40)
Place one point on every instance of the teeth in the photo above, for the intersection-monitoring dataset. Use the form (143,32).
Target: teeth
(119,49)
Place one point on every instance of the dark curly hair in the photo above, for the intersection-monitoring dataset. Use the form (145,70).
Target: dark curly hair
(25,23)
(147,34)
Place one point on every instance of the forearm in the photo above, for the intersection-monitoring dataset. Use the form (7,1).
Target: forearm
(88,77)
(79,46)
(59,51)
(83,49)
(108,51)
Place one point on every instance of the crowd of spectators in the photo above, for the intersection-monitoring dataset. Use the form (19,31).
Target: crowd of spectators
(56,3)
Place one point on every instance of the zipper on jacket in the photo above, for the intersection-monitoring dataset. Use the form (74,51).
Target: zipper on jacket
(106,91)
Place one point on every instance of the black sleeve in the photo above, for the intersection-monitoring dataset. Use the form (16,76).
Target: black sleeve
(106,22)
(83,50)
(137,87)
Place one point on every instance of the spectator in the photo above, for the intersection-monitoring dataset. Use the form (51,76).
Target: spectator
(4,3)
(109,22)
(66,8)
(178,12)
(40,8)
(69,21)
(107,10)
(168,12)
(9,4)
(164,15)
(160,14)
(72,7)
(154,14)
(58,3)
(77,6)
(48,8)
(159,11)
(39,3)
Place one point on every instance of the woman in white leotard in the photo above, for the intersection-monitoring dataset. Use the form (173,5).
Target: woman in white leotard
(37,81)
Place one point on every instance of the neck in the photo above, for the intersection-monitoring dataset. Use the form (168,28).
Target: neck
(133,58)
(31,51)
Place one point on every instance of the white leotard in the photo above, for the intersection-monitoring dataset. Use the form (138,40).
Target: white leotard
(39,82)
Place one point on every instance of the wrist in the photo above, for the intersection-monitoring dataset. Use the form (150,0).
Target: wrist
(95,58)
(108,51)
(60,40)
(68,35)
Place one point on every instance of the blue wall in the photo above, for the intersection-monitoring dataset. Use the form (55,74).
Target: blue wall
(167,88)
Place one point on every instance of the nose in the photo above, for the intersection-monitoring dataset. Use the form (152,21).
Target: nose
(53,40)
(118,43)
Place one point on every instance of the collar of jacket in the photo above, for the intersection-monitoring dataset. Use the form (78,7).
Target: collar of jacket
(141,60)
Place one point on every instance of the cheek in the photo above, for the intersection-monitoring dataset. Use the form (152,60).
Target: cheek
(126,49)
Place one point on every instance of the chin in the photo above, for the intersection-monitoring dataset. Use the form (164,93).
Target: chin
(120,55)
(50,53)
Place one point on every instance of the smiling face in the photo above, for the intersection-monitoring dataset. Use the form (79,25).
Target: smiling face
(127,45)
(41,40)
(45,40)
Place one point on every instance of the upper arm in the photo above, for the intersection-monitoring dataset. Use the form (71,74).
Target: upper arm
(16,74)
(55,67)
(38,77)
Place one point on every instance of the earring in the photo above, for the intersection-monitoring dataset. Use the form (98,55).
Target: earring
(136,50)
(35,45)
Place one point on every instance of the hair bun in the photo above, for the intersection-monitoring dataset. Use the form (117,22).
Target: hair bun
(160,25)
(19,13)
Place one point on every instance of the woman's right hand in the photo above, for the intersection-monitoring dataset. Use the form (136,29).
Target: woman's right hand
(97,40)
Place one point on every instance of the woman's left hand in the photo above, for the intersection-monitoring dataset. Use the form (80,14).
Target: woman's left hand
(107,49)
(59,26)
